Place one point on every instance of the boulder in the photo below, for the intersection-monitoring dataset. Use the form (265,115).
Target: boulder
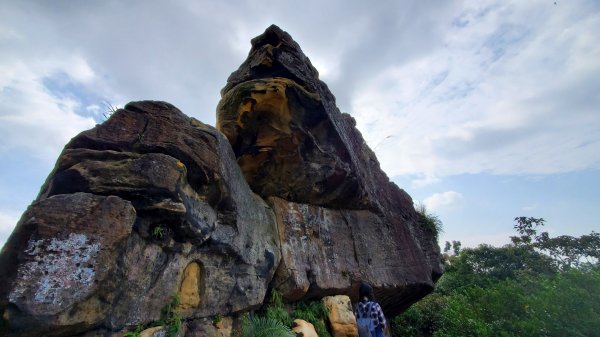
(217,327)
(341,316)
(160,331)
(341,221)
(303,328)
(146,207)
(61,259)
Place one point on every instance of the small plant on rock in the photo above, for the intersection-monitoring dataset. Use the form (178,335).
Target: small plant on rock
(134,333)
(159,232)
(429,222)
(170,319)
(217,319)
(110,110)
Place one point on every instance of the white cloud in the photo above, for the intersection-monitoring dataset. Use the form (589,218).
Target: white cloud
(425,180)
(446,199)
(31,119)
(80,70)
(512,91)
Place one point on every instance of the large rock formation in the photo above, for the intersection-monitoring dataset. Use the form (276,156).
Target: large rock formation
(341,316)
(340,219)
(152,205)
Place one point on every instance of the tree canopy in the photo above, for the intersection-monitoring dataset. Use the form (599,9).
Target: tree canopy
(535,286)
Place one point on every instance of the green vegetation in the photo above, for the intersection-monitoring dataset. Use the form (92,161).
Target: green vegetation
(256,326)
(217,319)
(158,232)
(535,286)
(276,315)
(135,333)
(315,313)
(169,318)
(110,109)
(429,221)
(276,311)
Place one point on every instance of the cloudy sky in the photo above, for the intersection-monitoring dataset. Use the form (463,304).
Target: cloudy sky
(481,110)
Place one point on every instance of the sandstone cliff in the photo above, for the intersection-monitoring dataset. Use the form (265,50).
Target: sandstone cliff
(151,204)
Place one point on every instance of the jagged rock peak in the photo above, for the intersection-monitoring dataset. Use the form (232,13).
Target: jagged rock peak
(274,53)
(275,37)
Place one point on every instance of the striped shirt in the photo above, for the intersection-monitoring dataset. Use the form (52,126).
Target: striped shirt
(362,310)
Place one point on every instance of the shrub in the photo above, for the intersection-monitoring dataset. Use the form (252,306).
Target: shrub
(429,222)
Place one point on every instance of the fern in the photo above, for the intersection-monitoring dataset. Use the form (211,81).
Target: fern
(315,313)
(275,310)
(254,326)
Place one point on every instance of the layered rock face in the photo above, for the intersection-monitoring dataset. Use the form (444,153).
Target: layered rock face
(152,205)
(340,219)
(148,205)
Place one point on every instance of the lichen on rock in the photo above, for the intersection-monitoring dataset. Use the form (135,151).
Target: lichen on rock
(61,270)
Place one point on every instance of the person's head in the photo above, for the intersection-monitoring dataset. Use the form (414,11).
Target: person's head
(365,290)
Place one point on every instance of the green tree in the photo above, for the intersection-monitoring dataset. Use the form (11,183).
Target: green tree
(566,251)
(536,286)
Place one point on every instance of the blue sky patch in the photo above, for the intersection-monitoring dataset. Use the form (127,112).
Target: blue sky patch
(62,86)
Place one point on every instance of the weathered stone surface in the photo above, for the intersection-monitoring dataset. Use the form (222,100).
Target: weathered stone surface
(224,327)
(221,327)
(341,316)
(328,251)
(286,144)
(346,222)
(189,291)
(195,228)
(64,250)
(161,331)
(157,331)
(303,328)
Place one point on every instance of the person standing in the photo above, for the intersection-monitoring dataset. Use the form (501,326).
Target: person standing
(370,319)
